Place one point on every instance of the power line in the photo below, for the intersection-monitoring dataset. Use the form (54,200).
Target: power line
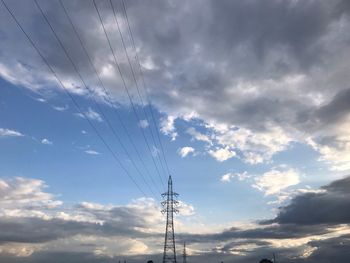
(145,87)
(108,96)
(90,91)
(136,82)
(71,97)
(126,89)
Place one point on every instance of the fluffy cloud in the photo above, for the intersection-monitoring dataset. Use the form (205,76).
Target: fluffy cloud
(46,141)
(241,176)
(222,154)
(44,223)
(136,230)
(270,84)
(256,147)
(168,127)
(272,182)
(185,209)
(184,151)
(33,220)
(144,124)
(21,197)
(255,83)
(198,136)
(224,141)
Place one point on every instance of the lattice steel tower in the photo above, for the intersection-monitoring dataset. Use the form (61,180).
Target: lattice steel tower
(184,254)
(169,205)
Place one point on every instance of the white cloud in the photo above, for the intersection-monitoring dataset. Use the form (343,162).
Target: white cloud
(256,147)
(144,124)
(241,90)
(185,209)
(9,133)
(168,127)
(91,114)
(23,201)
(272,182)
(41,99)
(93,206)
(184,151)
(226,177)
(222,154)
(223,141)
(18,193)
(60,108)
(241,176)
(20,74)
(198,136)
(92,152)
(336,153)
(46,141)
(249,84)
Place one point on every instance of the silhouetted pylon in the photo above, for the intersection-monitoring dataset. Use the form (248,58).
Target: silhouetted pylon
(184,254)
(169,205)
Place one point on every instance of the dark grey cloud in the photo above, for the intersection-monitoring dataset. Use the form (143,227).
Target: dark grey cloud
(331,250)
(235,245)
(60,257)
(247,244)
(336,109)
(335,249)
(37,230)
(281,231)
(236,38)
(237,57)
(328,207)
(259,65)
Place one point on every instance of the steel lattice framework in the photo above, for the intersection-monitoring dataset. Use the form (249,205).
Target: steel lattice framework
(169,205)
(184,254)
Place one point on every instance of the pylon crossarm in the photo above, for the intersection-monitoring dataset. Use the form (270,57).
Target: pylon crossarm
(170,194)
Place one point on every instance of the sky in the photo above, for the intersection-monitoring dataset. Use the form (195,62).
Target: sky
(246,104)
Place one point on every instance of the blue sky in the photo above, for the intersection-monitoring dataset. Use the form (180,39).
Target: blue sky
(252,120)
(75,175)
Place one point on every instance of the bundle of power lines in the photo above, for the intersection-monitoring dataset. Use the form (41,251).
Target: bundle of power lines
(158,161)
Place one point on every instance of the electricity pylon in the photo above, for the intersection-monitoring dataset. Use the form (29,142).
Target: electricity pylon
(184,254)
(169,205)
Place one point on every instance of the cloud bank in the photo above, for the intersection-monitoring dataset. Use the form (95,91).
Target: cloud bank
(35,226)
(257,76)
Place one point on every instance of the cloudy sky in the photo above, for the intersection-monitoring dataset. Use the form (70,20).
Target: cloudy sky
(245,103)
